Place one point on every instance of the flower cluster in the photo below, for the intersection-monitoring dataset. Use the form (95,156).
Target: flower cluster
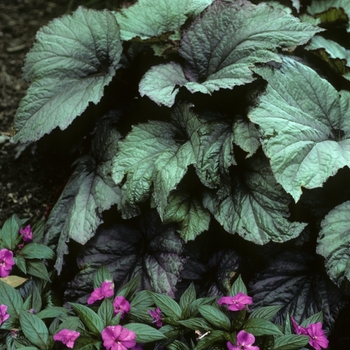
(3,314)
(118,338)
(157,316)
(67,337)
(121,306)
(236,302)
(244,342)
(315,332)
(6,262)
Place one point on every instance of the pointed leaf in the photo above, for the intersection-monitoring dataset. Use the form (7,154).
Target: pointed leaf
(9,233)
(37,251)
(256,207)
(189,213)
(34,329)
(266,312)
(291,342)
(144,333)
(302,116)
(37,269)
(238,286)
(89,192)
(150,155)
(188,296)
(215,317)
(292,281)
(101,276)
(167,305)
(10,297)
(105,311)
(14,281)
(259,326)
(92,320)
(150,249)
(333,243)
(69,66)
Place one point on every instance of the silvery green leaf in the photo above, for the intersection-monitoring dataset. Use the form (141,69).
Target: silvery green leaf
(254,205)
(68,67)
(304,122)
(333,245)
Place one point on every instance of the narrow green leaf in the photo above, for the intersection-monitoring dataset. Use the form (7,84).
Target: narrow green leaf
(144,333)
(102,275)
(92,321)
(10,297)
(238,286)
(37,269)
(177,345)
(167,305)
(34,329)
(129,288)
(37,251)
(21,263)
(313,319)
(10,232)
(196,323)
(52,312)
(215,317)
(188,296)
(291,342)
(266,312)
(142,299)
(258,326)
(105,311)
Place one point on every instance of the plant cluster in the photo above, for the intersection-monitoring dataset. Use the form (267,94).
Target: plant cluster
(211,139)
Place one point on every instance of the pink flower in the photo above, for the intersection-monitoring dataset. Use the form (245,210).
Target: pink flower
(118,338)
(244,342)
(157,316)
(106,291)
(121,305)
(3,314)
(27,234)
(237,302)
(67,337)
(318,339)
(297,328)
(6,262)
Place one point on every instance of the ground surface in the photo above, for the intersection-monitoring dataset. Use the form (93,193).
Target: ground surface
(30,183)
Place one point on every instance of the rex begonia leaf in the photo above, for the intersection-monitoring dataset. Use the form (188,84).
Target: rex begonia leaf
(333,245)
(90,191)
(254,205)
(331,11)
(152,249)
(150,155)
(304,122)
(73,59)
(222,45)
(189,213)
(335,55)
(144,20)
(294,281)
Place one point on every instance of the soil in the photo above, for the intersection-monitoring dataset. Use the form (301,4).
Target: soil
(30,175)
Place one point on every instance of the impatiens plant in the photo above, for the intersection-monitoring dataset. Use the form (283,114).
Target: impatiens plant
(211,139)
(67,337)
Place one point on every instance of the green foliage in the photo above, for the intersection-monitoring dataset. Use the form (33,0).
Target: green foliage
(213,132)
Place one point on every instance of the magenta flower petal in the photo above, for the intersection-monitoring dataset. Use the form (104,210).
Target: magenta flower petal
(118,338)
(236,302)
(318,339)
(157,316)
(297,328)
(6,262)
(106,291)
(67,337)
(121,305)
(3,314)
(244,342)
(27,234)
